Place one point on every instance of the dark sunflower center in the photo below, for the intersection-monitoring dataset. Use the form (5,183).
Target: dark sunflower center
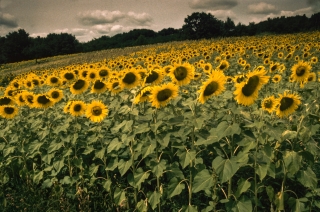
(29,84)
(55,94)
(310,78)
(10,93)
(300,71)
(77,107)
(76,71)
(16,85)
(180,73)
(8,110)
(43,100)
(163,95)
(129,78)
(98,85)
(274,67)
(152,77)
(84,73)
(69,76)
(147,93)
(206,67)
(276,79)
(92,75)
(115,85)
(267,104)
(103,73)
(285,103)
(222,66)
(35,82)
(79,84)
(30,99)
(96,111)
(249,88)
(211,88)
(5,101)
(53,80)
(21,99)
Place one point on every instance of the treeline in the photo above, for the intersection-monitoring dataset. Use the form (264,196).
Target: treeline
(18,45)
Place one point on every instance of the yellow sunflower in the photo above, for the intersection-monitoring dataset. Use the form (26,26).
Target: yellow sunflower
(76,108)
(207,68)
(68,76)
(79,86)
(53,81)
(66,108)
(154,77)
(104,72)
(29,98)
(276,78)
(212,87)
(224,65)
(247,92)
(143,95)
(20,99)
(182,74)
(6,100)
(314,60)
(287,104)
(269,104)
(92,75)
(96,111)
(55,94)
(161,95)
(300,71)
(114,86)
(8,111)
(99,86)
(312,77)
(42,101)
(130,79)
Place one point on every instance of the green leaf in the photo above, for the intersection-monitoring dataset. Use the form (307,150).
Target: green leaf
(141,128)
(147,150)
(292,161)
(165,141)
(88,150)
(46,184)
(154,199)
(93,169)
(54,146)
(142,206)
(123,166)
(224,129)
(157,168)
(174,187)
(188,208)
(203,180)
(57,165)
(243,186)
(307,178)
(225,168)
(262,170)
(37,177)
(242,205)
(117,127)
(288,135)
(270,193)
(107,184)
(139,177)
(113,163)
(120,197)
(100,153)
(186,157)
(128,126)
(8,151)
(114,145)
(176,120)
(66,180)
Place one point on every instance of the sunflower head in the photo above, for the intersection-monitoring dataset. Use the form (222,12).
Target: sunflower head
(96,111)
(276,78)
(131,78)
(55,94)
(182,74)
(8,111)
(76,108)
(269,104)
(42,101)
(143,95)
(99,86)
(300,71)
(6,100)
(287,104)
(79,86)
(161,95)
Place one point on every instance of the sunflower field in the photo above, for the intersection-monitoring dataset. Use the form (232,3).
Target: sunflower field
(229,124)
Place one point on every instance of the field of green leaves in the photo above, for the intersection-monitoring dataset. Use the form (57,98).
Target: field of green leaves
(227,124)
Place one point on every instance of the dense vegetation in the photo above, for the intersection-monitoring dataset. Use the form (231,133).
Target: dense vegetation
(18,45)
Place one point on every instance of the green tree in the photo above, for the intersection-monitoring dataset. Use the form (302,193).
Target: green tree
(202,25)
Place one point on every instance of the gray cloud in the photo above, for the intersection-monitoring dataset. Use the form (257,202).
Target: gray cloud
(213,4)
(8,20)
(139,18)
(96,17)
(223,14)
(262,8)
(315,4)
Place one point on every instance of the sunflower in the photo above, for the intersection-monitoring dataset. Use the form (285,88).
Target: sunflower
(300,71)
(207,68)
(287,104)
(20,99)
(212,87)
(314,60)
(104,72)
(8,111)
(312,77)
(161,95)
(55,94)
(143,95)
(92,75)
(6,100)
(96,111)
(76,108)
(83,73)
(269,104)
(114,86)
(53,81)
(10,91)
(239,78)
(15,83)
(197,76)
(154,77)
(274,67)
(276,78)
(280,55)
(99,87)
(29,98)
(68,76)
(182,74)
(42,101)
(247,92)
(130,79)
(79,86)
(224,65)
(66,108)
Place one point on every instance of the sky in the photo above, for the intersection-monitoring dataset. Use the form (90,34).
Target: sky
(89,19)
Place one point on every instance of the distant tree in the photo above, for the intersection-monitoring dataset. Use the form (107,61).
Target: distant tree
(252,29)
(229,27)
(202,25)
(168,31)
(37,49)
(2,56)
(14,46)
(60,44)
(314,21)
(141,40)
(241,29)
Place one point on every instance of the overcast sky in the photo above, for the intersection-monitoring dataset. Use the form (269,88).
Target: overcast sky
(88,19)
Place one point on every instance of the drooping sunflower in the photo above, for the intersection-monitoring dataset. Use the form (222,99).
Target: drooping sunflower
(114,86)
(212,87)
(99,86)
(8,111)
(182,74)
(53,81)
(6,100)
(79,86)
(143,95)
(154,77)
(247,92)
(42,101)
(300,71)
(161,95)
(96,111)
(287,104)
(76,108)
(224,65)
(130,79)
(55,94)
(269,104)
(276,78)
